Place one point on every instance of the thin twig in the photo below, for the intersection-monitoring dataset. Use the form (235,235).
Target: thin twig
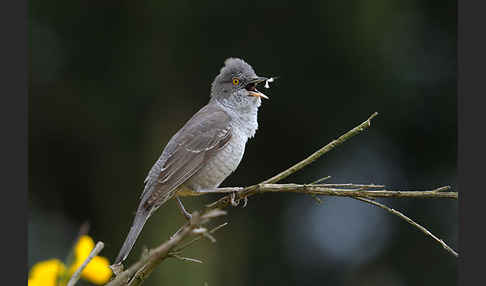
(318,200)
(361,186)
(185,258)
(96,250)
(410,221)
(358,129)
(315,197)
(179,249)
(138,272)
(320,180)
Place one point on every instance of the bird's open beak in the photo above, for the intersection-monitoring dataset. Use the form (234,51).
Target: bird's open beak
(258,94)
(251,87)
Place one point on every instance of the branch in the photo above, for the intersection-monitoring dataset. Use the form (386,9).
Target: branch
(96,250)
(355,131)
(179,249)
(136,274)
(410,221)
(357,190)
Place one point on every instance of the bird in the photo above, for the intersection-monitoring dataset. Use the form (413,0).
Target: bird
(206,150)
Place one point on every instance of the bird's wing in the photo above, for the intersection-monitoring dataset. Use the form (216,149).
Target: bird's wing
(205,133)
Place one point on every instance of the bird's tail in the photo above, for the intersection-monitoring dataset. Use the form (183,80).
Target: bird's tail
(138,223)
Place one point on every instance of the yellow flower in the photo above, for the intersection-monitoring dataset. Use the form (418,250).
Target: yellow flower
(83,247)
(46,273)
(97,270)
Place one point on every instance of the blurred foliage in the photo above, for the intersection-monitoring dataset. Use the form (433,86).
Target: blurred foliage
(112,81)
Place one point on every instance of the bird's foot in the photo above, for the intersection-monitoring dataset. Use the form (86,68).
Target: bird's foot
(245,201)
(234,202)
(183,210)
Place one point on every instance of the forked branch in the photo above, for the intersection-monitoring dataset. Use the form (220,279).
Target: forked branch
(137,273)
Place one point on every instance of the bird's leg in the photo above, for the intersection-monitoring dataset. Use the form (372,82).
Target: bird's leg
(185,213)
(233,192)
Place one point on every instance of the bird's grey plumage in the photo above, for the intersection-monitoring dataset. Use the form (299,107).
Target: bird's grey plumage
(206,149)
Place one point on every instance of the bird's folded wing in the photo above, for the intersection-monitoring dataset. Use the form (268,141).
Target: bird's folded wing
(205,133)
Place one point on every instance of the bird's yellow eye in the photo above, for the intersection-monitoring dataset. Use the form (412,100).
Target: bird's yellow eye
(236,81)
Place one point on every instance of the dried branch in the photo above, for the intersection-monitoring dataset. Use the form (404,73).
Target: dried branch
(410,221)
(179,249)
(136,274)
(357,190)
(318,200)
(96,250)
(185,258)
(355,131)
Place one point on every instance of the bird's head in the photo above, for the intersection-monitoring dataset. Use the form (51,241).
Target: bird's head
(235,85)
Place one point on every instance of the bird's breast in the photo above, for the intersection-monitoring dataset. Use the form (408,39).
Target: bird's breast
(219,166)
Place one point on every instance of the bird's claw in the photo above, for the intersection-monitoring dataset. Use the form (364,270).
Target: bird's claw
(234,202)
(245,201)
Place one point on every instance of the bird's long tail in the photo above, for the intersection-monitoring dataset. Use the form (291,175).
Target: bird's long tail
(138,222)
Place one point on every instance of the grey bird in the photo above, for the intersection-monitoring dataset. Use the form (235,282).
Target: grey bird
(207,149)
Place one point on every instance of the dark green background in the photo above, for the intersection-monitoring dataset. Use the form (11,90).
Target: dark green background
(112,81)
